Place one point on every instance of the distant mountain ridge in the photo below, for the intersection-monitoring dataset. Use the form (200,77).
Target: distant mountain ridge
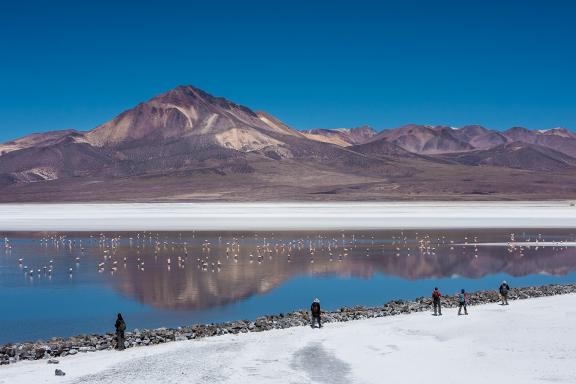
(188,144)
(432,140)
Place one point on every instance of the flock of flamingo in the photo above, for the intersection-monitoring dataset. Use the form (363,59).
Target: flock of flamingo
(117,251)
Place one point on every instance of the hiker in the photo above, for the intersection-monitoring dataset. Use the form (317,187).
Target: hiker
(436,295)
(504,288)
(315,309)
(120,328)
(462,301)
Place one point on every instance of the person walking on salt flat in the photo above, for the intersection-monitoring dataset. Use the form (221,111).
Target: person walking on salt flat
(315,309)
(504,289)
(436,296)
(462,301)
(120,328)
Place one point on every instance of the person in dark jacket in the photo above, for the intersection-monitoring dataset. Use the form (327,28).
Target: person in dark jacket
(462,302)
(436,297)
(504,289)
(120,328)
(315,309)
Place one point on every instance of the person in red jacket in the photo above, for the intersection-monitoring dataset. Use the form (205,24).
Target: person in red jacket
(436,296)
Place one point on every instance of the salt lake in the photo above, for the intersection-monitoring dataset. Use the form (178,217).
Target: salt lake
(70,283)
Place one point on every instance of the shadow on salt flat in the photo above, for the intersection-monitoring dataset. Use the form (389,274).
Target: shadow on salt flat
(320,365)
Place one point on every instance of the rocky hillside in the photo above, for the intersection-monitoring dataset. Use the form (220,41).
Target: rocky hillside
(342,136)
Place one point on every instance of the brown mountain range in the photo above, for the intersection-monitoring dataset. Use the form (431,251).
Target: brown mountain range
(189,145)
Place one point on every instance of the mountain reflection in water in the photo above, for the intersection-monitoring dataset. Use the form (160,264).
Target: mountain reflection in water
(179,274)
(201,270)
(58,284)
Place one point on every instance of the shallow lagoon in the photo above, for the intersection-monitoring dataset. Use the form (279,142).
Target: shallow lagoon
(177,278)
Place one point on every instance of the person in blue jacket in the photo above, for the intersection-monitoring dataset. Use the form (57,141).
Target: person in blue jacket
(504,289)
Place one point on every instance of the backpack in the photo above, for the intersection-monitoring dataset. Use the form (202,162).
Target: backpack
(436,295)
(462,298)
(122,326)
(315,308)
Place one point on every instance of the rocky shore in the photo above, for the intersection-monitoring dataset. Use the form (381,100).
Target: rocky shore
(59,347)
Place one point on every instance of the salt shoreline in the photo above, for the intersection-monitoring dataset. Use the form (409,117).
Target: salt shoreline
(285,216)
(525,342)
(60,347)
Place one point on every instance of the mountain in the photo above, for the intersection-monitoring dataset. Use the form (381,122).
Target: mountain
(187,135)
(186,112)
(516,155)
(479,137)
(559,139)
(183,128)
(39,140)
(434,140)
(65,158)
(343,137)
(424,139)
(383,148)
(186,144)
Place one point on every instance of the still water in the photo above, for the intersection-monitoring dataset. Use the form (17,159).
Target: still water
(63,284)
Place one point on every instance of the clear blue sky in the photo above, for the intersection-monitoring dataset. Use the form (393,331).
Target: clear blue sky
(312,63)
